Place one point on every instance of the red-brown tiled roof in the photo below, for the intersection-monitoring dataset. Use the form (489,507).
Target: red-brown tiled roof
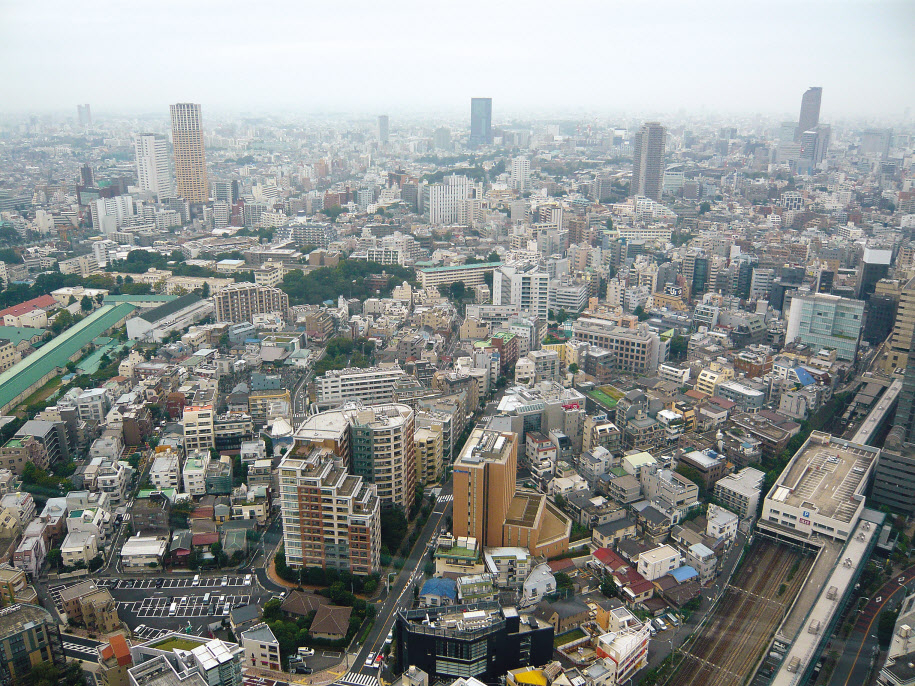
(40,303)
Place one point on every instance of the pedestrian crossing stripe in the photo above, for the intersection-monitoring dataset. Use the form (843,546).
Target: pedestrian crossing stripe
(80,648)
(445,498)
(359,679)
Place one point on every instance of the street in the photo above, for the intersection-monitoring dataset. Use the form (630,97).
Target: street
(401,592)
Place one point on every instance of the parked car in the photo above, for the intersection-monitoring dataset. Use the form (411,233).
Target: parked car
(378,661)
(304,651)
(370,660)
(303,669)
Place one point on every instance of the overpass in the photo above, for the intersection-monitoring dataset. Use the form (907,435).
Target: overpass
(874,420)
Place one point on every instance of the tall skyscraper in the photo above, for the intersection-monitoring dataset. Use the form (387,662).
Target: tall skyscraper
(190,164)
(384,130)
(85,176)
(810,111)
(480,121)
(153,174)
(648,161)
(84,114)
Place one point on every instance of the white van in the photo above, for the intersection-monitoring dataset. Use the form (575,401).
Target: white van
(173,609)
(196,581)
(206,599)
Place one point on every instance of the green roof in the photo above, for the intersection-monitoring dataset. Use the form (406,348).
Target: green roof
(17,334)
(115,299)
(162,311)
(23,375)
(179,642)
(451,268)
(13,443)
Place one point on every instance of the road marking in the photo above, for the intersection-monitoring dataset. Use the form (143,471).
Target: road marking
(445,498)
(80,648)
(359,679)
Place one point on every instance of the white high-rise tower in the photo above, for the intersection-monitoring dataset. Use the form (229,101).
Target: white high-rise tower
(521,173)
(153,173)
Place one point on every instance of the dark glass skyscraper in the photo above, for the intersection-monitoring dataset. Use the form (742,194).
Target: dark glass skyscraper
(480,121)
(810,111)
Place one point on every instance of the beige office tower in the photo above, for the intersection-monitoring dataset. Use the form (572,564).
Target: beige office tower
(484,485)
(896,353)
(190,164)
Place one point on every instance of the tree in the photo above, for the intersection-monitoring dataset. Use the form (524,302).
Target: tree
(561,316)
(457,290)
(641,313)
(704,207)
(333,212)
(573,368)
(609,223)
(608,588)
(560,500)
(885,627)
(55,558)
(678,347)
(393,527)
(85,304)
(493,257)
(205,291)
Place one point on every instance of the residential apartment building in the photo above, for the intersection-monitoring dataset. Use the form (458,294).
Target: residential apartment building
(370,385)
(190,164)
(383,452)
(525,285)
(239,302)
(740,492)
(428,444)
(198,427)
(470,274)
(331,519)
(29,636)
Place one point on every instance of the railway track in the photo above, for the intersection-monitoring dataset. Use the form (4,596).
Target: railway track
(742,623)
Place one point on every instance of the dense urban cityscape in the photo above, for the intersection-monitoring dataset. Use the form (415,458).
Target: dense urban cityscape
(469,400)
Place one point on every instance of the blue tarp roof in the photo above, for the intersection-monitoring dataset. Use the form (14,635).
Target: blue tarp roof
(803,376)
(684,573)
(446,588)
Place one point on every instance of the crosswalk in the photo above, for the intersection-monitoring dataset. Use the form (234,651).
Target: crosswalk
(445,498)
(359,679)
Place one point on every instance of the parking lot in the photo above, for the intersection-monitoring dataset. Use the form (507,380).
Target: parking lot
(54,592)
(183,582)
(148,633)
(188,606)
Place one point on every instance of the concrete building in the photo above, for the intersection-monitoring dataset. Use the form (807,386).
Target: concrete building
(525,285)
(346,536)
(821,491)
(648,161)
(369,385)
(429,444)
(484,485)
(655,563)
(198,423)
(826,321)
(156,323)
(153,173)
(262,650)
(239,302)
(740,492)
(29,635)
(636,350)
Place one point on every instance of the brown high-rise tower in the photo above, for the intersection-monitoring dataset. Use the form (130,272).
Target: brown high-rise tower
(190,163)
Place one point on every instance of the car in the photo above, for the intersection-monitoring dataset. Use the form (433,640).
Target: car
(303,669)
(305,651)
(247,579)
(378,661)
(196,581)
(225,581)
(370,660)
(389,638)
(159,583)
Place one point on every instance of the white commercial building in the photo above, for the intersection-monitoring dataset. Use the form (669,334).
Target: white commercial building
(655,563)
(525,285)
(370,385)
(166,470)
(447,202)
(740,492)
(521,173)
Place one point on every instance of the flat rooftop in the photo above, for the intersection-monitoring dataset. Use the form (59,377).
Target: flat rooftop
(825,475)
(803,647)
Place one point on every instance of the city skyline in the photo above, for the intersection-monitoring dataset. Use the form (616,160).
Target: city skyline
(685,61)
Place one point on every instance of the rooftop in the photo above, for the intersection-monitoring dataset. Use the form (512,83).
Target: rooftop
(827,475)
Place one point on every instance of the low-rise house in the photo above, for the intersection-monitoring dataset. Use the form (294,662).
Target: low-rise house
(609,534)
(262,650)
(564,615)
(437,592)
(79,547)
(299,604)
(14,587)
(475,588)
(509,566)
(93,607)
(537,585)
(331,622)
(659,561)
(141,552)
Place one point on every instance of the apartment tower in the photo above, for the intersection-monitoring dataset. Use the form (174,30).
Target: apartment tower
(153,174)
(480,121)
(190,164)
(648,161)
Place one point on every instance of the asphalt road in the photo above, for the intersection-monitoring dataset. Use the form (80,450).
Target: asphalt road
(855,661)
(79,648)
(401,593)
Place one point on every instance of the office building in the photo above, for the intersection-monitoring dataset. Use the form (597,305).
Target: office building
(29,635)
(470,274)
(484,485)
(480,121)
(186,659)
(482,640)
(239,302)
(190,163)
(875,265)
(826,321)
(810,111)
(900,343)
(648,161)
(635,350)
(384,130)
(153,173)
(331,519)
(894,478)
(526,285)
(84,113)
(739,492)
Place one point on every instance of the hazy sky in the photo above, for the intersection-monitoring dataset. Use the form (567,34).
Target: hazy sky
(432,56)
